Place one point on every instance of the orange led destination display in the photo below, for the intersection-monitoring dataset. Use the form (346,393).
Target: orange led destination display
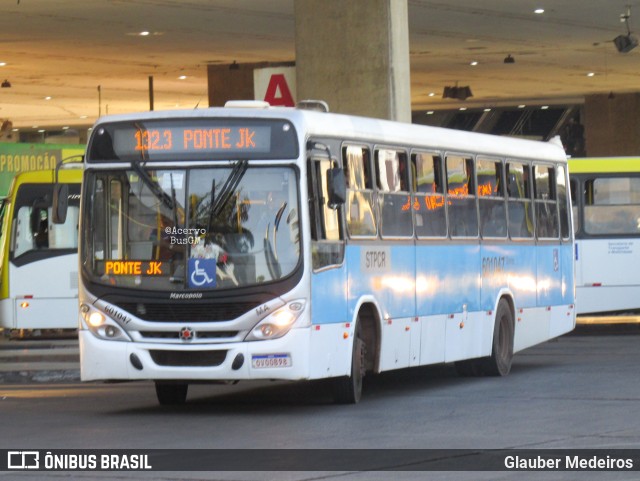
(133,268)
(234,139)
(180,139)
(239,138)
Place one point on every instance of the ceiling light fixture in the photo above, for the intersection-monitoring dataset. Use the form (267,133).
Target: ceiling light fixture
(459,93)
(509,59)
(625,43)
(3,64)
(539,11)
(6,84)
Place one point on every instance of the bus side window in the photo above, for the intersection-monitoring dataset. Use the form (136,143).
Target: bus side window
(563,201)
(612,205)
(427,200)
(361,218)
(546,210)
(520,203)
(392,174)
(493,214)
(327,246)
(463,217)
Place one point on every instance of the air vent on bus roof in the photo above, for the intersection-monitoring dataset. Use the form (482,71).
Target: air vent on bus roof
(317,105)
(247,104)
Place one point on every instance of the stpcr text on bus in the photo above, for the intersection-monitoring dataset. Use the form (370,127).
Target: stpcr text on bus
(236,243)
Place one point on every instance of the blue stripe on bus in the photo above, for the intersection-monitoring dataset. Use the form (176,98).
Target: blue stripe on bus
(442,279)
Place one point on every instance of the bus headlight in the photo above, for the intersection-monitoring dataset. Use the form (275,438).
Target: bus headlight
(101,326)
(278,323)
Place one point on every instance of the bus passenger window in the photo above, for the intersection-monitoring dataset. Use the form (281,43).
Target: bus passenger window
(427,200)
(546,211)
(463,218)
(612,206)
(327,246)
(520,204)
(392,174)
(575,189)
(361,220)
(563,202)
(493,214)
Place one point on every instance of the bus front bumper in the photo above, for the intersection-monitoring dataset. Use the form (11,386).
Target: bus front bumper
(286,358)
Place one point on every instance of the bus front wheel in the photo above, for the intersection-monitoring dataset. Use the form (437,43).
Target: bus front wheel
(171,394)
(348,389)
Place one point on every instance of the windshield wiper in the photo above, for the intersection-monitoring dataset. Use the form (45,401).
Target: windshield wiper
(154,187)
(229,187)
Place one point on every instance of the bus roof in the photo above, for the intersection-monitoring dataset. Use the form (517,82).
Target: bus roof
(370,129)
(599,165)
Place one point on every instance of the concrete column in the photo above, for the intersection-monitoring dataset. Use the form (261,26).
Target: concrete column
(612,124)
(354,55)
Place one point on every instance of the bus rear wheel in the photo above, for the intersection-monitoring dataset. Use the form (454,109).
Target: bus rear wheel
(348,389)
(170,393)
(499,363)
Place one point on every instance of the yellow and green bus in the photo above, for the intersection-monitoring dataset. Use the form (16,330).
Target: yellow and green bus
(606,211)
(39,271)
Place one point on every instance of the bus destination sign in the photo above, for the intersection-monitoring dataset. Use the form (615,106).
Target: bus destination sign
(134,268)
(184,140)
(201,139)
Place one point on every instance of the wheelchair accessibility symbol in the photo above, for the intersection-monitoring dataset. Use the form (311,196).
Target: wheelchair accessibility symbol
(202,273)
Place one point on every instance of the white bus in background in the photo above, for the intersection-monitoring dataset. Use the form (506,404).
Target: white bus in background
(38,276)
(606,211)
(230,244)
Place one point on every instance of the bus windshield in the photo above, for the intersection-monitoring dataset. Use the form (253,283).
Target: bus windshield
(199,228)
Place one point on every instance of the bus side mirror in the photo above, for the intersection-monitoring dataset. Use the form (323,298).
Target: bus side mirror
(60,203)
(336,187)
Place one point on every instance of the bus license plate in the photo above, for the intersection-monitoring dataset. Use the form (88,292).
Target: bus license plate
(270,361)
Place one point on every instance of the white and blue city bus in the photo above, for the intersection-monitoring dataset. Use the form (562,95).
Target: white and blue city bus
(233,244)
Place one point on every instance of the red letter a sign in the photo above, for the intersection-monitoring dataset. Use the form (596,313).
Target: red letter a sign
(278,92)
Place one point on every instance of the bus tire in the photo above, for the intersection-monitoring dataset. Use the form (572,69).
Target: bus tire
(499,364)
(171,394)
(348,389)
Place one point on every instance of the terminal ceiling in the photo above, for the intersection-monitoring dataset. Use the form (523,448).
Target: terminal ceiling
(69,61)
